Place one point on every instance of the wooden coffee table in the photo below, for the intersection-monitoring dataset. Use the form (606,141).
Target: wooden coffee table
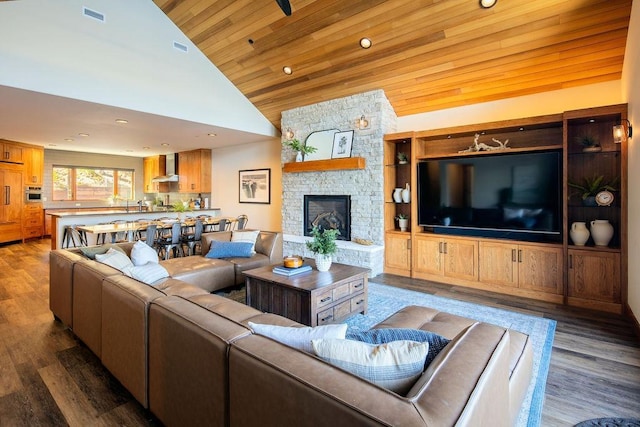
(312,298)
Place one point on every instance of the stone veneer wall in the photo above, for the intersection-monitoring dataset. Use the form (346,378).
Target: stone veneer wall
(364,186)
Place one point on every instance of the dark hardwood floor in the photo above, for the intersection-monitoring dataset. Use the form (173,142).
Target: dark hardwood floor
(49,378)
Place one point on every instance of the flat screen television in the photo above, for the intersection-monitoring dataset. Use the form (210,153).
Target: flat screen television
(505,195)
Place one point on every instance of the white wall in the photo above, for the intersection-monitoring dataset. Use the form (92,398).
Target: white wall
(226,162)
(631,95)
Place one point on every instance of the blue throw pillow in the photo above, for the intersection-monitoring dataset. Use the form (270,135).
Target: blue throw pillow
(386,335)
(230,249)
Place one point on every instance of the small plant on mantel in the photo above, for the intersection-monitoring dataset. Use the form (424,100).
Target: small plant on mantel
(299,147)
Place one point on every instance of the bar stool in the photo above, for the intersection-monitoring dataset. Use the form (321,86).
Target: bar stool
(73,236)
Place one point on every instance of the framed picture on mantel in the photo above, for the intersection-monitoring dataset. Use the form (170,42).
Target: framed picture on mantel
(342,144)
(255,186)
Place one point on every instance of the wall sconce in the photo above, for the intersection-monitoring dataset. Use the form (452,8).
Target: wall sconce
(620,134)
(288,135)
(362,123)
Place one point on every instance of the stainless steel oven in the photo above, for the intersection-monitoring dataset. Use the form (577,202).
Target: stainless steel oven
(33,194)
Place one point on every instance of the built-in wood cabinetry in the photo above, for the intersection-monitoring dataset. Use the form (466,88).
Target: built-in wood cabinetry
(152,167)
(33,166)
(11,152)
(32,221)
(11,202)
(551,269)
(194,171)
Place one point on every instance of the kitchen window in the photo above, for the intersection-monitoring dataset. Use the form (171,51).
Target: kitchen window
(75,183)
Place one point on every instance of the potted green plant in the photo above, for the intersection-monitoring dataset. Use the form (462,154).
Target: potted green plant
(591,186)
(403,221)
(300,148)
(323,246)
(180,207)
(402,158)
(589,143)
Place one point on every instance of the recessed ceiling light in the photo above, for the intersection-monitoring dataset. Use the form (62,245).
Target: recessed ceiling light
(486,4)
(592,120)
(365,43)
(212,134)
(123,121)
(52,145)
(287,70)
(146,148)
(129,151)
(164,144)
(83,134)
(69,139)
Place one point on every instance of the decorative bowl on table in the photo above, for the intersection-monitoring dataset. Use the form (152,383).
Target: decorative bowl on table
(293,261)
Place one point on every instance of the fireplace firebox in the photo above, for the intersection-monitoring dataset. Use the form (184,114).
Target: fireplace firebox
(328,212)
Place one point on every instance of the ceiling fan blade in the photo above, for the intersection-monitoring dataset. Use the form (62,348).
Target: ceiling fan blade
(285,6)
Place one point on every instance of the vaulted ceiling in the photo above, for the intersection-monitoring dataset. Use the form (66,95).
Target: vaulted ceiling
(426,55)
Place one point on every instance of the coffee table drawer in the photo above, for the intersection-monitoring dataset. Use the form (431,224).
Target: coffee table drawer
(332,295)
(324,298)
(334,313)
(358,303)
(356,286)
(325,317)
(341,292)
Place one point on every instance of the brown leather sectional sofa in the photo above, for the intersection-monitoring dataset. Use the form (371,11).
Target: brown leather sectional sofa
(190,358)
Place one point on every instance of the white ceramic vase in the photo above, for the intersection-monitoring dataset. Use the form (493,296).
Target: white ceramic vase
(323,262)
(397,195)
(406,194)
(299,156)
(579,233)
(601,231)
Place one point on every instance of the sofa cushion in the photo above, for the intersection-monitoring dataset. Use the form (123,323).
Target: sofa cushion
(116,259)
(385,335)
(141,254)
(299,337)
(206,273)
(230,250)
(91,251)
(149,273)
(246,236)
(395,366)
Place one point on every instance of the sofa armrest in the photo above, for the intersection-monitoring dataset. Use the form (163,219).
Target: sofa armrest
(61,263)
(269,243)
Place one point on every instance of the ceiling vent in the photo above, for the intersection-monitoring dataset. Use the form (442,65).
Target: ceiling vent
(93,14)
(180,46)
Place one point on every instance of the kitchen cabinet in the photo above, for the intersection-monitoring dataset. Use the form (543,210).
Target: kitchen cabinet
(11,152)
(535,268)
(11,202)
(32,221)
(33,165)
(194,171)
(446,256)
(594,278)
(152,167)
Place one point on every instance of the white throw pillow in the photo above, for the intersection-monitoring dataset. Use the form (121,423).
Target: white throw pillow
(246,236)
(148,273)
(299,338)
(141,254)
(115,259)
(395,366)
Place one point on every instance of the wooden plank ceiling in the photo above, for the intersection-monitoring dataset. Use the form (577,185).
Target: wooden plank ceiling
(426,55)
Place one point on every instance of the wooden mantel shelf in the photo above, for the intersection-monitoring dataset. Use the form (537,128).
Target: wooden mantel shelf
(326,165)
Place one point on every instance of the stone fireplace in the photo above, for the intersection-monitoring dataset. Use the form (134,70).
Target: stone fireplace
(363,187)
(328,212)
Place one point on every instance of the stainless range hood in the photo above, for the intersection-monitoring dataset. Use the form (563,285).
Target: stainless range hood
(171,171)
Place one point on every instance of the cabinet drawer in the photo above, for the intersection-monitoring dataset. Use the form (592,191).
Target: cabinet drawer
(32,222)
(32,232)
(356,286)
(324,298)
(341,292)
(342,310)
(358,303)
(325,317)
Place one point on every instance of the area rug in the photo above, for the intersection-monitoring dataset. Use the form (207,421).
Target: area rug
(610,422)
(385,300)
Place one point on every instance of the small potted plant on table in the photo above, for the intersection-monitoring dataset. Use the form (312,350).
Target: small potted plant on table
(323,246)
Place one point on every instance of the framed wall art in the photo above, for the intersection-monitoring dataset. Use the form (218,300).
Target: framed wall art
(255,186)
(342,144)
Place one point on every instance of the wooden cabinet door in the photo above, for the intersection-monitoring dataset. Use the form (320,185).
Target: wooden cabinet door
(429,255)
(397,252)
(11,153)
(461,258)
(594,275)
(498,263)
(11,202)
(33,166)
(540,268)
(149,167)
(187,171)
